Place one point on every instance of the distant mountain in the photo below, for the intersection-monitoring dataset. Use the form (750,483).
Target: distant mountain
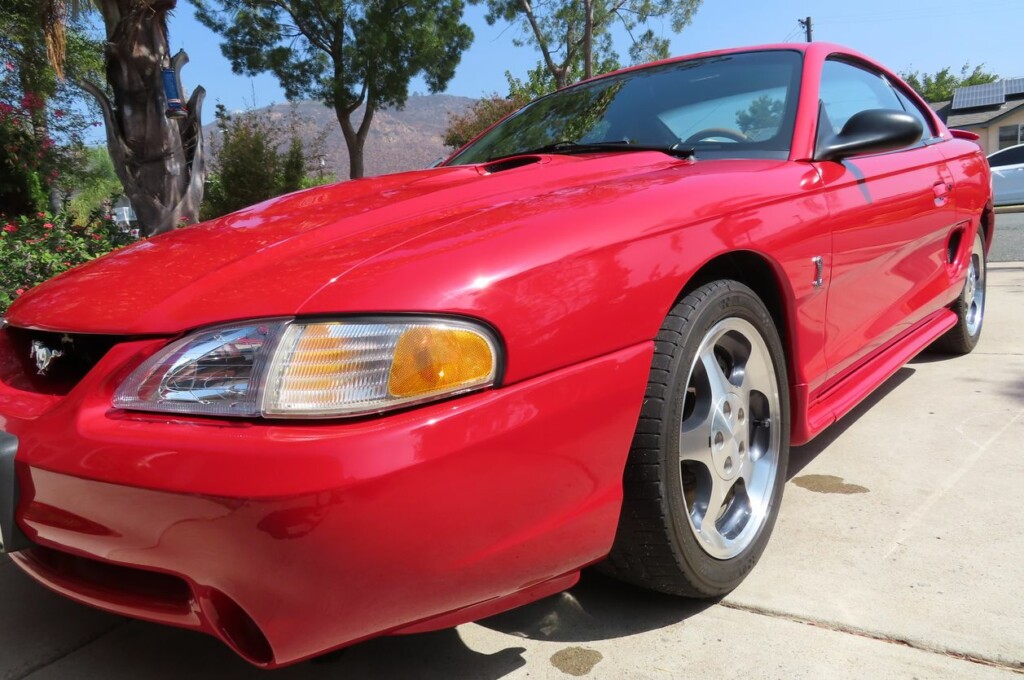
(399,140)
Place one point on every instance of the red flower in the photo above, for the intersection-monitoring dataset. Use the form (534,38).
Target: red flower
(40,214)
(10,229)
(19,291)
(67,264)
(96,237)
(47,225)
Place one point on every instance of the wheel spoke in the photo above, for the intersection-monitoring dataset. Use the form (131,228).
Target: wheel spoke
(695,441)
(758,374)
(717,380)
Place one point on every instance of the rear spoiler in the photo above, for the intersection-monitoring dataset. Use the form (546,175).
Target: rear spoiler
(965,134)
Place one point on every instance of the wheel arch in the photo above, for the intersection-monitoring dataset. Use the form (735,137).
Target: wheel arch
(987,224)
(762,275)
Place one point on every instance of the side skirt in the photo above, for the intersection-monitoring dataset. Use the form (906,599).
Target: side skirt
(840,399)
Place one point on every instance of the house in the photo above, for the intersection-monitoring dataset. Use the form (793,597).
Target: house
(994,111)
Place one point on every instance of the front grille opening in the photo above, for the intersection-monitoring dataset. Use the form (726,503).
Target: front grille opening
(72,356)
(146,591)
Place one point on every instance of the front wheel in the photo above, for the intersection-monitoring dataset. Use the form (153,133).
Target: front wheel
(705,474)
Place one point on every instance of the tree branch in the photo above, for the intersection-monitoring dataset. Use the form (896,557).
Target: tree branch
(541,41)
(119,151)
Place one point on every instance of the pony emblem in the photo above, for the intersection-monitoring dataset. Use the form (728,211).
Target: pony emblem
(43,356)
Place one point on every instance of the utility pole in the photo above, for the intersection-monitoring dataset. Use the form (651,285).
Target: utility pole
(806,23)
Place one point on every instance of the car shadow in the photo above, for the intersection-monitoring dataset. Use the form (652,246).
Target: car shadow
(597,608)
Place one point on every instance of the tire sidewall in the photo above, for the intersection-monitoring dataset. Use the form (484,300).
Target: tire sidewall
(716,575)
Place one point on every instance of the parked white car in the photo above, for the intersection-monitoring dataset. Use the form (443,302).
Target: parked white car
(1008,175)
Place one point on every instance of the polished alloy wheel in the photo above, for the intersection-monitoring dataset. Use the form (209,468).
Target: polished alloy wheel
(974,289)
(730,438)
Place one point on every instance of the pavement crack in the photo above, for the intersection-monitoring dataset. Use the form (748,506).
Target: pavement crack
(1014,666)
(41,665)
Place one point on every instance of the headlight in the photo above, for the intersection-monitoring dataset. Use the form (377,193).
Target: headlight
(290,369)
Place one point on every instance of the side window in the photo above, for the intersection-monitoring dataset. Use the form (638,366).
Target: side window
(1007,157)
(847,90)
(911,107)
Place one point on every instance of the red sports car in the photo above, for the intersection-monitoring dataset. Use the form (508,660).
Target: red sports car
(590,336)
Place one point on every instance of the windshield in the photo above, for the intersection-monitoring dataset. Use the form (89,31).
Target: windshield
(731,106)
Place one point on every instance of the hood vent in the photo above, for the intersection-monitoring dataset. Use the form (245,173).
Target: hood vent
(510,163)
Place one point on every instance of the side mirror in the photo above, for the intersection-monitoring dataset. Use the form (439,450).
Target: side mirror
(871,131)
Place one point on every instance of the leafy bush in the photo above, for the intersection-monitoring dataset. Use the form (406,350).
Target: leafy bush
(38,247)
(26,162)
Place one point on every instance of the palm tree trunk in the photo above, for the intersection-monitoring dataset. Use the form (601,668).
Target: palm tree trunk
(159,160)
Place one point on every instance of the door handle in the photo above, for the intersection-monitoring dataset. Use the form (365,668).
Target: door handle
(941,191)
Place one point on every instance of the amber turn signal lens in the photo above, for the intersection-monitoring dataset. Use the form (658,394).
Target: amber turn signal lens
(371,365)
(431,359)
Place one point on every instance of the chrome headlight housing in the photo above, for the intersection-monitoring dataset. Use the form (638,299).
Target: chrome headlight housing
(287,368)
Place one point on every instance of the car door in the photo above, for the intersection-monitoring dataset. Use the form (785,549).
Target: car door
(1008,175)
(891,218)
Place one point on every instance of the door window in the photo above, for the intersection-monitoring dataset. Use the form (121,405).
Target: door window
(911,107)
(847,90)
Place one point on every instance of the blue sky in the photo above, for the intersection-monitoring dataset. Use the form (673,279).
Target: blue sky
(922,34)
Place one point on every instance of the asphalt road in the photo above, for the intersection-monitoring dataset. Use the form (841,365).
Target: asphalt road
(1009,243)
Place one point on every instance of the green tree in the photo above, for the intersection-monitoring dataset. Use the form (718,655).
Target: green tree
(42,123)
(256,155)
(293,166)
(159,159)
(246,166)
(485,112)
(95,184)
(940,86)
(763,115)
(346,53)
(574,36)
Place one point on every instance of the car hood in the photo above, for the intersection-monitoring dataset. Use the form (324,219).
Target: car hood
(272,258)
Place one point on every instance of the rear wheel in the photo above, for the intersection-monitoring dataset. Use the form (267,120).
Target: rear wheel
(707,467)
(969,307)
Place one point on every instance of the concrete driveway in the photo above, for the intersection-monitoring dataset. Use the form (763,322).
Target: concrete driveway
(899,553)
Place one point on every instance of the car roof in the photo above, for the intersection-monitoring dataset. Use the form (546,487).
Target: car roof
(823,48)
(1009,148)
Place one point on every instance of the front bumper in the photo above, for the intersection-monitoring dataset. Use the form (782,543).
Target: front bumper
(287,540)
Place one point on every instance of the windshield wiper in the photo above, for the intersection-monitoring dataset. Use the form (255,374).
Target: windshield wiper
(567,147)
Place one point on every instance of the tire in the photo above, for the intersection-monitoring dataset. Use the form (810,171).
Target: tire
(702,432)
(969,307)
